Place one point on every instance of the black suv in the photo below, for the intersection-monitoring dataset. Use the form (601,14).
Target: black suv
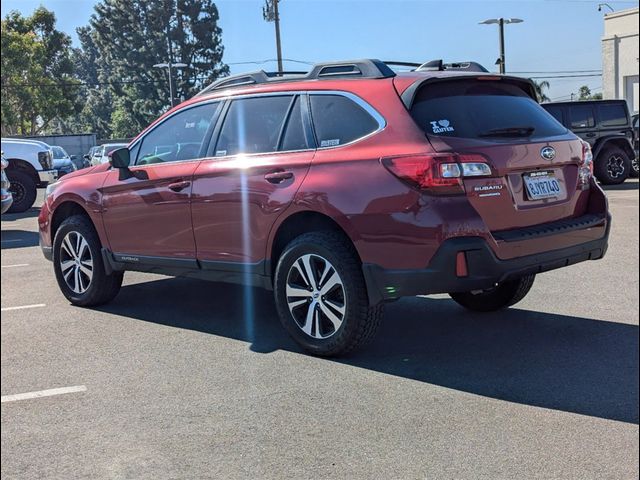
(606,125)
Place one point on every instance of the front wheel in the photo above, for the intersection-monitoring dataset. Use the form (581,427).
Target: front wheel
(321,296)
(78,265)
(501,296)
(23,191)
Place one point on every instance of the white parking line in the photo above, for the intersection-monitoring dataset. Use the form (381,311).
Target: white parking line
(43,393)
(22,307)
(16,265)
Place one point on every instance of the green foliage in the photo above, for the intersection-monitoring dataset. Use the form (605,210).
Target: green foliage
(131,36)
(584,93)
(541,88)
(38,86)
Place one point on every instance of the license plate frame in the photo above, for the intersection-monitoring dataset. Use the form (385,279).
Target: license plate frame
(542,185)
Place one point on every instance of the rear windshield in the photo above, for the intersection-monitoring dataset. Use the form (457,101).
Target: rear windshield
(481,109)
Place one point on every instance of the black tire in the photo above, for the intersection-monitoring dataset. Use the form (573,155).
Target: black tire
(612,166)
(102,288)
(502,296)
(360,320)
(23,190)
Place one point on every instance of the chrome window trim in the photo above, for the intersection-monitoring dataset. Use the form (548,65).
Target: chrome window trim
(380,120)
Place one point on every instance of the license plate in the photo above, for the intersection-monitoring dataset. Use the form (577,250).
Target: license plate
(542,185)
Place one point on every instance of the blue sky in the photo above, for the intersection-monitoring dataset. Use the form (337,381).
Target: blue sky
(556,36)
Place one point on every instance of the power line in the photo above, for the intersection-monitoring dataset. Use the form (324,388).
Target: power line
(571,76)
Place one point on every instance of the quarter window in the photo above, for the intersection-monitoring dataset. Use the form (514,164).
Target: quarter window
(253,125)
(178,138)
(582,117)
(612,115)
(338,120)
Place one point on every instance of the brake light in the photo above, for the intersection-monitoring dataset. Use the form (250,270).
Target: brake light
(585,171)
(440,174)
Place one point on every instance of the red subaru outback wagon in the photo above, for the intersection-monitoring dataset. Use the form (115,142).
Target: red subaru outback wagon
(340,190)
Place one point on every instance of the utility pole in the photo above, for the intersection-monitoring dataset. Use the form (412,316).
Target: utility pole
(170,66)
(271,14)
(501,22)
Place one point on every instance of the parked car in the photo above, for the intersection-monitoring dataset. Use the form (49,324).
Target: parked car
(102,155)
(30,167)
(88,157)
(340,190)
(62,162)
(606,125)
(7,199)
(60,153)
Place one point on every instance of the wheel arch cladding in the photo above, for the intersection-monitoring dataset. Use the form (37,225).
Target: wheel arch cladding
(24,166)
(620,142)
(65,210)
(300,223)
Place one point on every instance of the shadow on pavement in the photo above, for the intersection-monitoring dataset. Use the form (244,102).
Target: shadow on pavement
(18,239)
(31,213)
(560,362)
(627,185)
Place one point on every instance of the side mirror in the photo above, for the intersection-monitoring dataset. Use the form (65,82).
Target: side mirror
(73,157)
(120,158)
(86,156)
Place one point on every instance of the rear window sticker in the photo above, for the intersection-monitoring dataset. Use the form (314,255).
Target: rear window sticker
(441,126)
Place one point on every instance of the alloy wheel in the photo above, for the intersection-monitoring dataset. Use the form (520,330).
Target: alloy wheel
(76,262)
(316,296)
(615,166)
(17,192)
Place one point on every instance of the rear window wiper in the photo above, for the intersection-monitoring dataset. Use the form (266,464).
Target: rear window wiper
(508,132)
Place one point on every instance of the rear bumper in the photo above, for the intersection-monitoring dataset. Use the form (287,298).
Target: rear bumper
(484,268)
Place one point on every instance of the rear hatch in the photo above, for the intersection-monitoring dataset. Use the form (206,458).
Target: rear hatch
(534,159)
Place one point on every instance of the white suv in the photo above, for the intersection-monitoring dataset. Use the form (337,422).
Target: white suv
(30,167)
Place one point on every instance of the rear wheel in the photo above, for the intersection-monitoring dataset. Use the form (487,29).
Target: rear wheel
(321,295)
(23,190)
(78,265)
(501,296)
(612,166)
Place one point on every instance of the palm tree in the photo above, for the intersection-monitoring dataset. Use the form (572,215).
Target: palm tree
(540,90)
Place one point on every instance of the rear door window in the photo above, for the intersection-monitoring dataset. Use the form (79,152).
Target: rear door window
(294,136)
(481,109)
(338,120)
(582,116)
(612,115)
(253,125)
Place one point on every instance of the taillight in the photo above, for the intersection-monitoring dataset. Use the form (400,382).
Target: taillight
(585,171)
(439,174)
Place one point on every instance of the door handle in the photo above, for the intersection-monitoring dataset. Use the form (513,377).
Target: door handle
(278,177)
(179,186)
(590,135)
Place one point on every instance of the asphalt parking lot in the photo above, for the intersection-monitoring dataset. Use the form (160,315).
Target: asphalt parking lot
(176,379)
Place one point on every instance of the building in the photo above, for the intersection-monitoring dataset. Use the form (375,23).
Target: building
(620,57)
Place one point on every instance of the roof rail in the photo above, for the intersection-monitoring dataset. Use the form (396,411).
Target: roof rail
(439,65)
(365,68)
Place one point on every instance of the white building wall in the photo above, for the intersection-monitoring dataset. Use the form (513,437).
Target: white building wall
(620,57)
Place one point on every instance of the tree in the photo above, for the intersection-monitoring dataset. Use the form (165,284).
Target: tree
(584,93)
(36,73)
(540,90)
(131,36)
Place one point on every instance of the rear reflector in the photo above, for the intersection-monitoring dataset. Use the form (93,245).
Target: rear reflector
(461,265)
